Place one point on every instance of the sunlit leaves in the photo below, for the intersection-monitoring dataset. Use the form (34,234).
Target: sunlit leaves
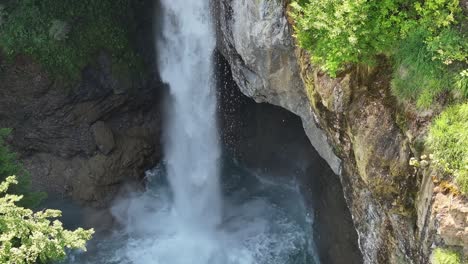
(425,39)
(28,237)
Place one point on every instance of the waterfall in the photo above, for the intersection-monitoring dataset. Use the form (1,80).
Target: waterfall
(191,141)
(189,221)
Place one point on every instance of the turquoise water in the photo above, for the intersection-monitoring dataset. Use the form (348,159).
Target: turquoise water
(263,223)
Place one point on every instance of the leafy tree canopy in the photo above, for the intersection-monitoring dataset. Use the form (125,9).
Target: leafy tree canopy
(28,237)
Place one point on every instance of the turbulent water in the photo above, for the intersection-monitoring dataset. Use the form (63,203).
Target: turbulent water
(184,216)
(263,223)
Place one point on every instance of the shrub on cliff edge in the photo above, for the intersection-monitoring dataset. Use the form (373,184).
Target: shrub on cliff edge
(27,237)
(427,41)
(448,140)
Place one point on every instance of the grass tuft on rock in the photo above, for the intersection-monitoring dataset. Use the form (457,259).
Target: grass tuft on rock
(448,140)
(416,75)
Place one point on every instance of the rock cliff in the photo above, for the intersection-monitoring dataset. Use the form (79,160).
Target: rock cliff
(84,141)
(271,141)
(354,124)
(85,137)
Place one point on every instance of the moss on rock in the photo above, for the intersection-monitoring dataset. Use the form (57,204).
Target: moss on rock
(66,35)
(446,256)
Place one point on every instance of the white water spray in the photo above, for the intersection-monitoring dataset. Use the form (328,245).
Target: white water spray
(191,142)
(185,225)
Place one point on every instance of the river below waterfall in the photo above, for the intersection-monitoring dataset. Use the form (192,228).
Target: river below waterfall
(199,208)
(264,222)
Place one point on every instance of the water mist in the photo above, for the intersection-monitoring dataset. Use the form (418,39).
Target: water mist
(191,142)
(188,221)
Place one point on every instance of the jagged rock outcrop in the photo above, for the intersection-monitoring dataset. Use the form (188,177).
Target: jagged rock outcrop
(82,139)
(452,217)
(84,136)
(442,214)
(272,142)
(352,121)
(260,49)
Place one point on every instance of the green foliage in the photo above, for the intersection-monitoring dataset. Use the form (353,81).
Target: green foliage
(445,256)
(341,32)
(27,237)
(461,82)
(416,75)
(448,140)
(65,35)
(2,14)
(10,166)
(448,46)
(436,14)
(429,46)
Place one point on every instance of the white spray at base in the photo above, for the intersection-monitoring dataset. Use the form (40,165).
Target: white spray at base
(186,223)
(191,145)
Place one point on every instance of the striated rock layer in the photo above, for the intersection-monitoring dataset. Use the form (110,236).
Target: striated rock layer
(85,137)
(351,121)
(84,141)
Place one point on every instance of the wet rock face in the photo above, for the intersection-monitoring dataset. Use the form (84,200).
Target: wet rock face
(272,141)
(84,140)
(254,36)
(104,137)
(442,215)
(349,120)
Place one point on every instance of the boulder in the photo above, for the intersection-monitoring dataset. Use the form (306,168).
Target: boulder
(103,137)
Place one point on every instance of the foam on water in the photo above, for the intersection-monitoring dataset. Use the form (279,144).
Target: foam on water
(187,221)
(263,223)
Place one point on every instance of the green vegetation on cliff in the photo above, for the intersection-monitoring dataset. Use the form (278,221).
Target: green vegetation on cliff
(65,35)
(426,40)
(420,77)
(445,256)
(448,140)
(9,165)
(427,44)
(27,237)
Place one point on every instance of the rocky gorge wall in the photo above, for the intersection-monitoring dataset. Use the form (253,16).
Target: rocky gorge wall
(85,138)
(271,142)
(355,125)
(84,143)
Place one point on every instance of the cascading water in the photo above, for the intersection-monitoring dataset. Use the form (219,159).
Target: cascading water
(189,221)
(191,142)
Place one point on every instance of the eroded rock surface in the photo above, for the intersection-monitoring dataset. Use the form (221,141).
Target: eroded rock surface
(87,135)
(256,39)
(82,139)
(451,216)
(271,141)
(350,120)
